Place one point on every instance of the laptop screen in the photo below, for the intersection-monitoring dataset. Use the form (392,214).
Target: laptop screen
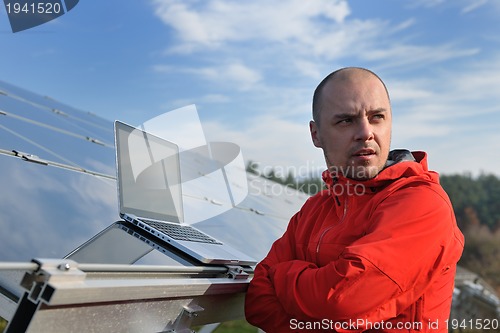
(148,175)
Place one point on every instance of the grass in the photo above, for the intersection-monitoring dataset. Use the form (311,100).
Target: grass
(240,326)
(3,324)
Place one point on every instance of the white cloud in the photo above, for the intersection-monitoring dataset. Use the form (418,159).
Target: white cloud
(212,23)
(406,91)
(215,98)
(477,82)
(272,142)
(240,73)
(465,6)
(473,6)
(282,49)
(405,25)
(231,74)
(398,55)
(234,74)
(452,114)
(308,68)
(163,68)
(252,40)
(468,91)
(428,3)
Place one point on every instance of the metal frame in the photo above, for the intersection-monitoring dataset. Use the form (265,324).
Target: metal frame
(63,296)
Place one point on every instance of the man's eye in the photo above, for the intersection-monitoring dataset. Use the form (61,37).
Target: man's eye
(344,121)
(378,116)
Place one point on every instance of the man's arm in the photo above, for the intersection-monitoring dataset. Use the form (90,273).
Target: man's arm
(410,241)
(262,307)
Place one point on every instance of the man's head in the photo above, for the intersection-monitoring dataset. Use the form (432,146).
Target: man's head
(352,122)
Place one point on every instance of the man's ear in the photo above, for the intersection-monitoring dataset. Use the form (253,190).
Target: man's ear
(313,127)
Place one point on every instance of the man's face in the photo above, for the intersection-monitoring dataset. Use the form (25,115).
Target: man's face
(354,127)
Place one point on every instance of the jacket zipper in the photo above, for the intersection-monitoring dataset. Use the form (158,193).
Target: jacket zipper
(330,227)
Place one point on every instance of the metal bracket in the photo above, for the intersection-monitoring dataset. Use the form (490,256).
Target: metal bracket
(236,273)
(96,141)
(30,157)
(258,212)
(183,322)
(59,112)
(38,283)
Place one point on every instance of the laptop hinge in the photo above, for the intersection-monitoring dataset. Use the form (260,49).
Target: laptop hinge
(183,322)
(236,273)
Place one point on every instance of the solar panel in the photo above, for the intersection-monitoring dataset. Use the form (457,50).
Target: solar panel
(58,163)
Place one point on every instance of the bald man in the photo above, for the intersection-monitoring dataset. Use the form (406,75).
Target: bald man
(377,249)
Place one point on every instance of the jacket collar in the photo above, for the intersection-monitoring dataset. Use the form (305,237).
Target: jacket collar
(400,164)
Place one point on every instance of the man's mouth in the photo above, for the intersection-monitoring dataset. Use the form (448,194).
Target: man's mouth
(364,152)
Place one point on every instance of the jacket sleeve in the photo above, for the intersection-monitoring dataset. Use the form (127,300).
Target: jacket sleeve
(262,307)
(411,238)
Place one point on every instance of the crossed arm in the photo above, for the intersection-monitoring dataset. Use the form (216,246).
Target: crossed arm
(375,278)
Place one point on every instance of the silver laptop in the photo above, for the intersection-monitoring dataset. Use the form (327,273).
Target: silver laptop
(150,196)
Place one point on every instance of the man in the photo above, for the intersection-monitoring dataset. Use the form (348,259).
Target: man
(377,250)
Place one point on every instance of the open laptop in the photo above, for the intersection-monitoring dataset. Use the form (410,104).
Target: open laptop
(150,196)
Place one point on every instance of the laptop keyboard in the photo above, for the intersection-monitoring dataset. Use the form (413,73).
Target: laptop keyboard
(181,232)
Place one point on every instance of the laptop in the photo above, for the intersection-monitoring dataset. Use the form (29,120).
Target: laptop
(150,197)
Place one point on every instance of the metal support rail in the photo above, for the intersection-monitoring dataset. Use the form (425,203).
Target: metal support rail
(33,266)
(56,129)
(64,296)
(51,109)
(35,159)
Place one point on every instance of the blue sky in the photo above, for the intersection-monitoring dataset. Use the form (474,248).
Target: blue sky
(251,68)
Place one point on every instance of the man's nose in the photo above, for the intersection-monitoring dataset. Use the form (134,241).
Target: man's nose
(364,131)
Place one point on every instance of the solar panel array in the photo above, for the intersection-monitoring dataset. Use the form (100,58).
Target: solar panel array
(58,178)
(57,174)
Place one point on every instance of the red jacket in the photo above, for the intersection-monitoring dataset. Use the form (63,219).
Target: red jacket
(374,255)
